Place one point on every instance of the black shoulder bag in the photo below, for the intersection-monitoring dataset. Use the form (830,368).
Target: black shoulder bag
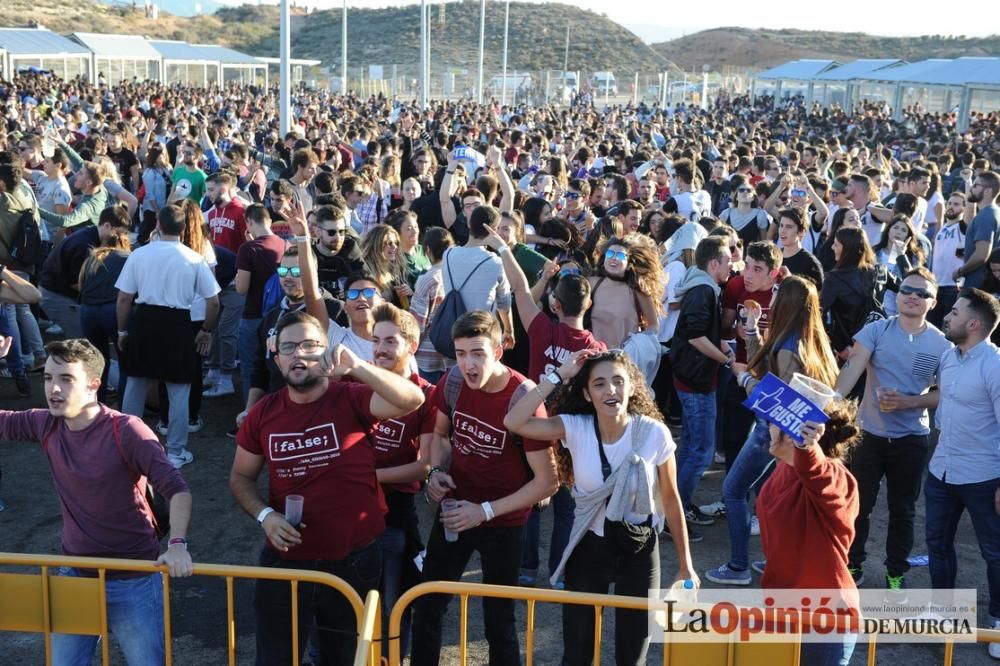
(626,537)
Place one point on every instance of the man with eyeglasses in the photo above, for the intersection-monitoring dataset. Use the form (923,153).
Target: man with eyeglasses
(902,356)
(315,436)
(336,251)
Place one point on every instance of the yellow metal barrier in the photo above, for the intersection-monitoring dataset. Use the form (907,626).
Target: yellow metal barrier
(728,652)
(50,604)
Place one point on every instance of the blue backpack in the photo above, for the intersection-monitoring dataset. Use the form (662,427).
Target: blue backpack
(273,293)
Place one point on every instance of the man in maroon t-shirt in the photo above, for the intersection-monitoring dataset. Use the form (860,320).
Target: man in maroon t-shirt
(402,458)
(757,283)
(315,437)
(227,217)
(256,262)
(495,476)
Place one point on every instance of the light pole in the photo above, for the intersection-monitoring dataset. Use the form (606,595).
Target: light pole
(284,75)
(506,27)
(424,40)
(482,46)
(343,52)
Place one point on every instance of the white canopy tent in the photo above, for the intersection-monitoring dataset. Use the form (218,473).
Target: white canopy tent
(121,57)
(43,49)
(792,78)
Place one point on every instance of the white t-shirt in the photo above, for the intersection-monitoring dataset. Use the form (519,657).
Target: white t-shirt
(693,205)
(362,347)
(190,276)
(668,322)
(948,239)
(198,307)
(582,446)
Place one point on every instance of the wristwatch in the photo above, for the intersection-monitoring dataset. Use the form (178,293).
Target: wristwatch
(554,378)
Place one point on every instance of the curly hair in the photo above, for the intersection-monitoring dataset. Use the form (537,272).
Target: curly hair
(842,432)
(644,272)
(386,272)
(569,399)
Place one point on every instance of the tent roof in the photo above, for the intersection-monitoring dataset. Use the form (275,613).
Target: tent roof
(228,56)
(798,69)
(38,41)
(176,50)
(858,69)
(117,46)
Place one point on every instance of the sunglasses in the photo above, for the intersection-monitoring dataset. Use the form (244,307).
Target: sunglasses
(573,195)
(335,232)
(907,290)
(799,193)
(354,294)
(563,272)
(744,190)
(285,271)
(619,255)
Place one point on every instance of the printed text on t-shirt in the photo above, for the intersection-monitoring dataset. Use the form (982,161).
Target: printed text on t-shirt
(474,437)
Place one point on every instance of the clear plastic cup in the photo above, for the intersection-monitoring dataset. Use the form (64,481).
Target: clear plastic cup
(882,392)
(447,504)
(293,509)
(817,392)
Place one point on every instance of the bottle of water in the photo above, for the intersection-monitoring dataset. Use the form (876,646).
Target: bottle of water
(682,592)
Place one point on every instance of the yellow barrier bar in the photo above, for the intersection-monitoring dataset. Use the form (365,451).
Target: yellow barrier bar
(295,623)
(872,647)
(598,630)
(463,629)
(230,621)
(949,653)
(47,616)
(369,625)
(103,601)
(530,647)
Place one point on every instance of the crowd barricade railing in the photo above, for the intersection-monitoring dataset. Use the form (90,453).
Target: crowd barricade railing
(47,603)
(726,652)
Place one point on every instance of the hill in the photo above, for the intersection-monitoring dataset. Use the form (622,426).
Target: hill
(375,36)
(757,49)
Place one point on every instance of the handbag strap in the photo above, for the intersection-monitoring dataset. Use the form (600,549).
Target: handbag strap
(605,465)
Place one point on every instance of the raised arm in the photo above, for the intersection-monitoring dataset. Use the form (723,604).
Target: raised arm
(448,214)
(296,216)
(527,308)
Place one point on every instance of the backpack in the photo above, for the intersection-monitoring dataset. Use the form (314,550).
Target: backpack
(273,293)
(451,308)
(26,250)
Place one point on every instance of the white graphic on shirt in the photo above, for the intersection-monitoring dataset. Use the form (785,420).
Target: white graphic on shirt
(388,435)
(315,441)
(473,437)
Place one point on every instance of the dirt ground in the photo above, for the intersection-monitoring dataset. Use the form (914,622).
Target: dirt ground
(221,533)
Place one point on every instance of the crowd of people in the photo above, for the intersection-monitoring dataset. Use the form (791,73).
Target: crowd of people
(507,309)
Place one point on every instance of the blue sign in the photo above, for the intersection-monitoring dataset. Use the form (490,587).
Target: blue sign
(776,402)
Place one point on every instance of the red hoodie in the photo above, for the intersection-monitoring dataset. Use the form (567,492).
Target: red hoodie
(807,512)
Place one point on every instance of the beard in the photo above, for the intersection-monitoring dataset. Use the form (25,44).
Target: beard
(303,385)
(974,198)
(951,218)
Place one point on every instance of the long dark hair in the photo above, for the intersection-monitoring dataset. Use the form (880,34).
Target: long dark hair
(855,251)
(912,249)
(569,399)
(991,284)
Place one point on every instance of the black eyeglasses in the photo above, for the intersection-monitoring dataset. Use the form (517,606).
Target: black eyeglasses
(288,347)
(354,294)
(335,232)
(907,290)
(285,271)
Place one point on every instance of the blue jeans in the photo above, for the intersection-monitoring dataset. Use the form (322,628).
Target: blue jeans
(945,504)
(31,336)
(223,354)
(563,508)
(135,617)
(828,654)
(393,544)
(100,327)
(246,346)
(8,329)
(750,465)
(694,455)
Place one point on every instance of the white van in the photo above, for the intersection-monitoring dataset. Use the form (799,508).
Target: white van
(604,81)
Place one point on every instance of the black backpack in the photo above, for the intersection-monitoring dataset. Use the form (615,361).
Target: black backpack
(26,250)
(451,308)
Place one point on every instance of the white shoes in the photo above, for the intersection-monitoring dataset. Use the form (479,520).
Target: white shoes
(211,378)
(181,459)
(222,388)
(754,526)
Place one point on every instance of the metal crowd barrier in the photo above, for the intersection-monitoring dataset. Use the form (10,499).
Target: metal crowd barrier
(46,603)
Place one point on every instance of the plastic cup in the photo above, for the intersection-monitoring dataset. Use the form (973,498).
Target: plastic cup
(448,504)
(293,509)
(817,392)
(882,392)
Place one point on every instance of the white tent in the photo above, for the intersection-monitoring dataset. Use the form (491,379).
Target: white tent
(43,49)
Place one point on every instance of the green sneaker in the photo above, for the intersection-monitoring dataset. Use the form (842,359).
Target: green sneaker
(895,588)
(858,574)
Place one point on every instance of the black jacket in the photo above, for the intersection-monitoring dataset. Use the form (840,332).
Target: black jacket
(700,316)
(851,298)
(332,270)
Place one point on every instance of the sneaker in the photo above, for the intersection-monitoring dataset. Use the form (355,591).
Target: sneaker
(994,649)
(759,566)
(161,428)
(23,385)
(754,526)
(527,579)
(54,329)
(694,516)
(179,461)
(223,388)
(726,576)
(719,458)
(693,536)
(858,574)
(714,510)
(895,589)
(196,425)
(212,378)
(231,433)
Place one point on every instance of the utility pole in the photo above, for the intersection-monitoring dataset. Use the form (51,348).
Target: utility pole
(506,30)
(482,46)
(343,52)
(285,73)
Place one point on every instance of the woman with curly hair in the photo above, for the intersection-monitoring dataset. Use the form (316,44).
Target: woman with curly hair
(626,290)
(615,453)
(807,511)
(386,262)
(796,343)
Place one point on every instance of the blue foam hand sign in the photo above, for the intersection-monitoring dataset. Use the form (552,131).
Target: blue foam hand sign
(776,402)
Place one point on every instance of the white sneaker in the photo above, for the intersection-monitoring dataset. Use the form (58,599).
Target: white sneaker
(754,526)
(180,460)
(715,509)
(994,649)
(54,329)
(195,426)
(719,458)
(223,388)
(212,378)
